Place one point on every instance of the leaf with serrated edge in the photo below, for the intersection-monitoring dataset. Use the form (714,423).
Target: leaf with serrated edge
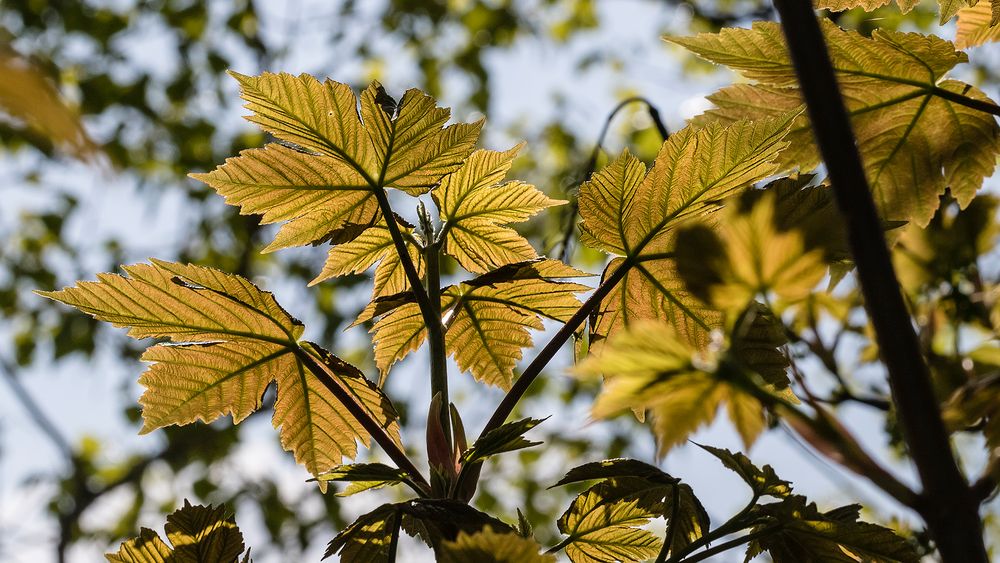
(913,143)
(629,212)
(505,438)
(323,187)
(763,481)
(364,477)
(373,246)
(647,368)
(487,319)
(198,534)
(368,538)
(978,25)
(475,207)
(232,340)
(487,546)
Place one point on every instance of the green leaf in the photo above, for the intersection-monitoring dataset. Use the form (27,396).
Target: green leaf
(487,319)
(440,520)
(505,438)
(324,186)
(231,341)
(757,341)
(619,467)
(975,402)
(763,482)
(487,546)
(688,520)
(198,534)
(647,368)
(367,539)
(914,143)
(948,7)
(634,214)
(475,207)
(803,533)
(364,477)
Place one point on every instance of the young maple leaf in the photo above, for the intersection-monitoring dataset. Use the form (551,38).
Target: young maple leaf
(323,184)
(230,341)
(634,214)
(914,136)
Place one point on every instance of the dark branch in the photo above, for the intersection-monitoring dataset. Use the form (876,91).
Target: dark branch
(947,505)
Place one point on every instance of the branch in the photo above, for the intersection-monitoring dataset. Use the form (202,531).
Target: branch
(35,412)
(654,114)
(726,546)
(378,434)
(951,513)
(546,354)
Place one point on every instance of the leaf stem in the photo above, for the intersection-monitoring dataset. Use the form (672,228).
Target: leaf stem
(668,538)
(546,354)
(378,434)
(948,507)
(966,101)
(733,524)
(435,336)
(726,546)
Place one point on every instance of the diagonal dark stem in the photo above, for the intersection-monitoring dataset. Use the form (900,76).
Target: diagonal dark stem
(546,354)
(946,504)
(378,433)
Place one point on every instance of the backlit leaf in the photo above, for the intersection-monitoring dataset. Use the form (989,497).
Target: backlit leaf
(197,534)
(751,258)
(634,214)
(323,186)
(368,538)
(762,481)
(475,207)
(914,143)
(803,533)
(978,24)
(647,368)
(364,477)
(487,319)
(231,340)
(370,247)
(505,438)
(487,546)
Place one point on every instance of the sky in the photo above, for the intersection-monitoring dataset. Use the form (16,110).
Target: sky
(83,398)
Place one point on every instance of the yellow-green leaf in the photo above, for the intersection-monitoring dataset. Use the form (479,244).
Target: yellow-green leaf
(978,24)
(367,539)
(475,208)
(198,534)
(604,522)
(914,142)
(323,186)
(231,340)
(750,257)
(487,546)
(648,368)
(370,247)
(635,214)
(487,319)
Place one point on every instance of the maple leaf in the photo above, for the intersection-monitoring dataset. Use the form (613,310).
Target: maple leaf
(662,496)
(231,340)
(487,546)
(634,214)
(487,319)
(197,534)
(914,138)
(647,367)
(323,186)
(475,206)
(797,531)
(373,246)
(948,7)
(978,24)
(743,255)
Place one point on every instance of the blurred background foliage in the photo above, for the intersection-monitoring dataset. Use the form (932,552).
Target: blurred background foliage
(147,80)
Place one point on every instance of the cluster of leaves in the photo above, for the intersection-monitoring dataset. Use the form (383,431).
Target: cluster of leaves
(689,316)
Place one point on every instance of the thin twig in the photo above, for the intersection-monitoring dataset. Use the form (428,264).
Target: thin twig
(654,114)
